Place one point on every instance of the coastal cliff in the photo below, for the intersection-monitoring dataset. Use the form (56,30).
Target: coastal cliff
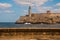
(36,18)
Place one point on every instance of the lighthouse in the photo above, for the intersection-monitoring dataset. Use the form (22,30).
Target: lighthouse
(29,11)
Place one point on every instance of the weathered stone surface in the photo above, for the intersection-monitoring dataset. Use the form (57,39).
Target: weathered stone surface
(40,18)
(14,34)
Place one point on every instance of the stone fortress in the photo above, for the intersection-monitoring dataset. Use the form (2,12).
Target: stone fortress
(37,18)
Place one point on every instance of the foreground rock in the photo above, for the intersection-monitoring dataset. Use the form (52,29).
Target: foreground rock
(30,36)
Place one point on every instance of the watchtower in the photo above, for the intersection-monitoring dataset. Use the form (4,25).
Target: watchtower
(48,12)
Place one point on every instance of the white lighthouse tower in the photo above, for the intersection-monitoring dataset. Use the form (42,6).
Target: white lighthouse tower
(30,11)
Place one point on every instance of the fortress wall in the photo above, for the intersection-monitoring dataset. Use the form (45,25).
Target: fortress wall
(51,15)
(23,17)
(39,16)
(54,15)
(45,15)
(34,15)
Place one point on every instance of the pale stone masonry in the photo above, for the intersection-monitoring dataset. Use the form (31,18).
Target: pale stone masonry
(24,34)
(47,17)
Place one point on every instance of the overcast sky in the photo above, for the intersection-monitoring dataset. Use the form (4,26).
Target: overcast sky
(11,10)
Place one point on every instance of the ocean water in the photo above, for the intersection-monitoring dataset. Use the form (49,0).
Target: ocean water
(13,25)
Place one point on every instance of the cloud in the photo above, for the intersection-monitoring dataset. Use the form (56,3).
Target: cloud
(5,5)
(8,11)
(4,8)
(25,12)
(22,2)
(37,4)
(58,4)
(43,9)
(56,10)
(52,9)
(31,2)
(51,0)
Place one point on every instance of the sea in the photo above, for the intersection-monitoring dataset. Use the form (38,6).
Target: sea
(13,25)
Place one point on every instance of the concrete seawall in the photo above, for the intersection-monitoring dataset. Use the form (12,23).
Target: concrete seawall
(29,34)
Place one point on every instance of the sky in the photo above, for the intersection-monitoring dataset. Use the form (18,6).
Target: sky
(11,10)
